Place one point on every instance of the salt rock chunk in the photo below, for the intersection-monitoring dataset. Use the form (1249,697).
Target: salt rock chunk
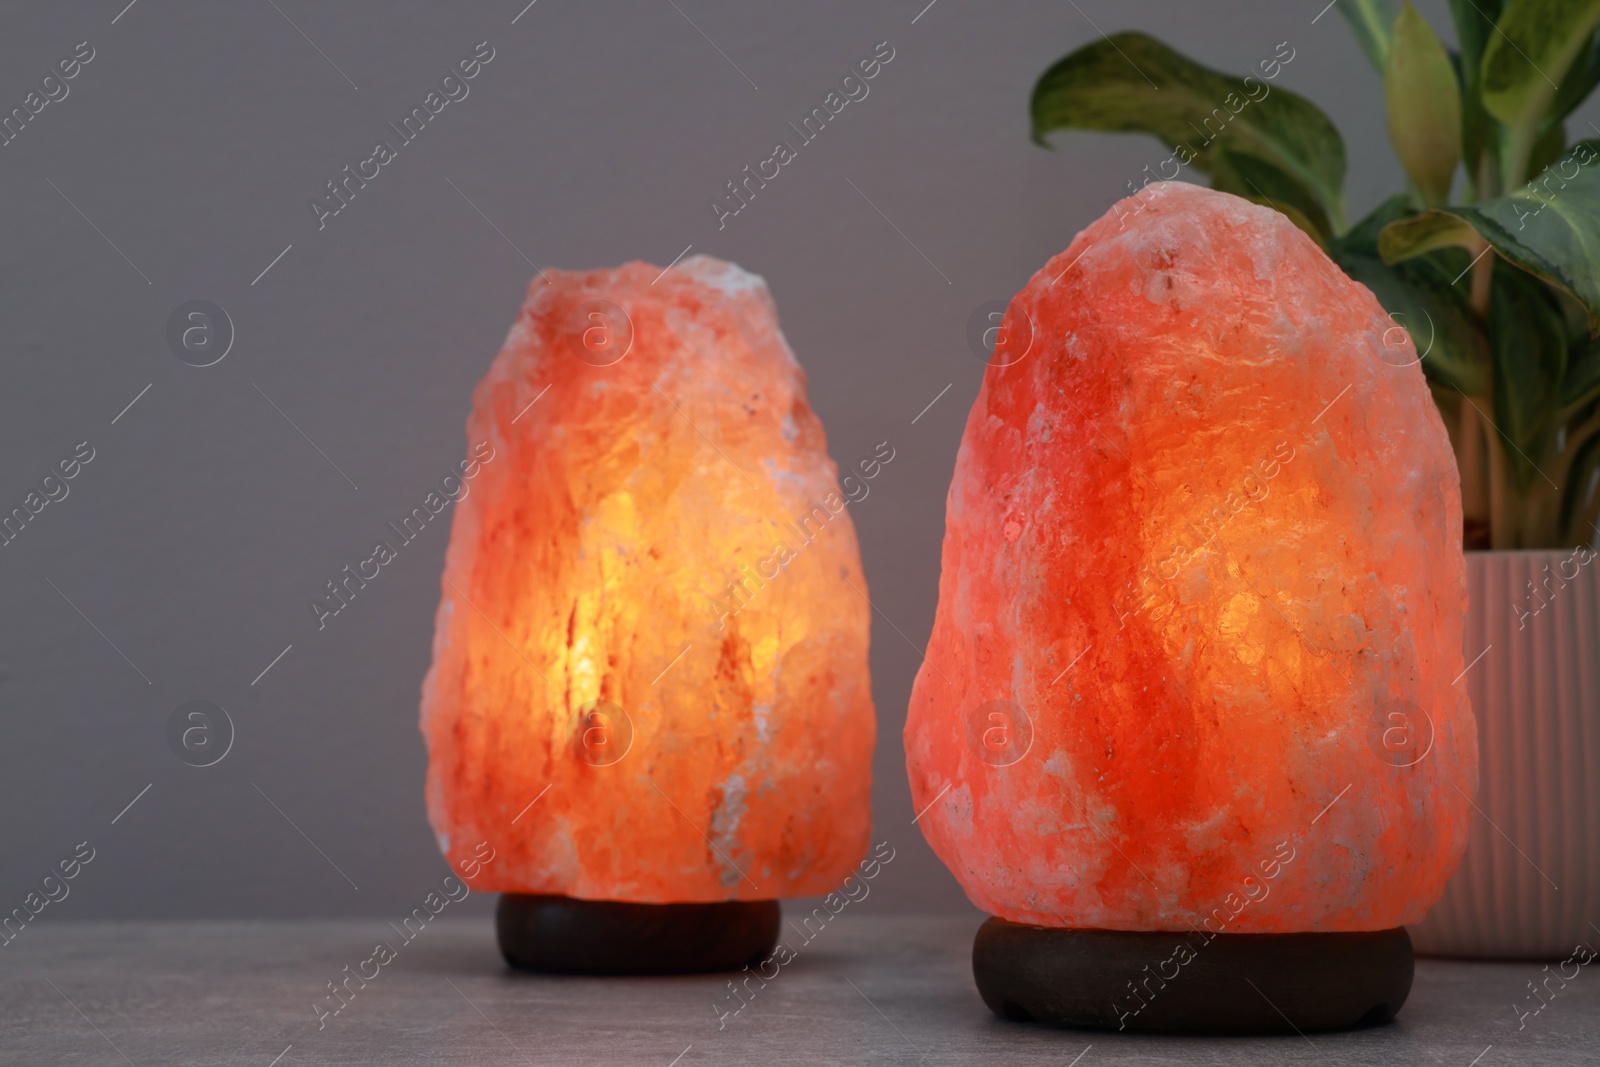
(654,625)
(1202,596)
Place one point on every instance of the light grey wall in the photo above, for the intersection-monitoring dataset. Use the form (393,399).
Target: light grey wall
(179,166)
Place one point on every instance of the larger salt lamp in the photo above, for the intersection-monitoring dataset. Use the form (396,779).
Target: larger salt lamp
(649,715)
(1187,726)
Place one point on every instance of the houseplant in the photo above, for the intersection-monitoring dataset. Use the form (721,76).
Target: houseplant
(1499,288)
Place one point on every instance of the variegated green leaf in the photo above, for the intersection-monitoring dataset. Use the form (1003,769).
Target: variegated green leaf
(1132,82)
(1424,105)
(1549,227)
(1524,62)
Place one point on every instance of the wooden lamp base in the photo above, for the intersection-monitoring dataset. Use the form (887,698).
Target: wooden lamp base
(1192,982)
(564,935)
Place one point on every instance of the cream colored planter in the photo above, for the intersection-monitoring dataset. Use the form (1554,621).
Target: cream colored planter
(1529,883)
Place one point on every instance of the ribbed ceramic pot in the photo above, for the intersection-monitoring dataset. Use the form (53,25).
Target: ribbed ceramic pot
(1529,883)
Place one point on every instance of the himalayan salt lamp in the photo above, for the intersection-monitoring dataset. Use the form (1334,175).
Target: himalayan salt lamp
(649,693)
(1203,549)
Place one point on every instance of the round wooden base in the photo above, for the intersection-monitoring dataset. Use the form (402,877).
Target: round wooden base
(1193,982)
(563,935)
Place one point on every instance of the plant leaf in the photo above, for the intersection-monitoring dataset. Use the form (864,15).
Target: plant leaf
(1549,227)
(1474,21)
(1529,345)
(1252,179)
(1427,232)
(1448,334)
(1362,237)
(1133,82)
(1575,492)
(1548,148)
(1582,77)
(1372,22)
(1582,382)
(1524,62)
(1424,105)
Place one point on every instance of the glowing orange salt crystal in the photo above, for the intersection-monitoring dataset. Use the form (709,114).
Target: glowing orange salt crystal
(1202,593)
(648,624)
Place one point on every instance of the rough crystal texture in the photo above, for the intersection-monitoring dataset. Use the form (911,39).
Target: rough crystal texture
(653,626)
(1204,532)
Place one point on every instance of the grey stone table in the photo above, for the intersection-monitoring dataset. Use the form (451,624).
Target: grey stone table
(866,989)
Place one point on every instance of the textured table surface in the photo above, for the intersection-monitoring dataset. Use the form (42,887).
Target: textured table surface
(867,989)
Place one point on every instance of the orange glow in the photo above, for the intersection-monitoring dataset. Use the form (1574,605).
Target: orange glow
(684,728)
(1205,537)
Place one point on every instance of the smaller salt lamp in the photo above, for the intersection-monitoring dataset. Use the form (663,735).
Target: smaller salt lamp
(649,715)
(1187,725)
